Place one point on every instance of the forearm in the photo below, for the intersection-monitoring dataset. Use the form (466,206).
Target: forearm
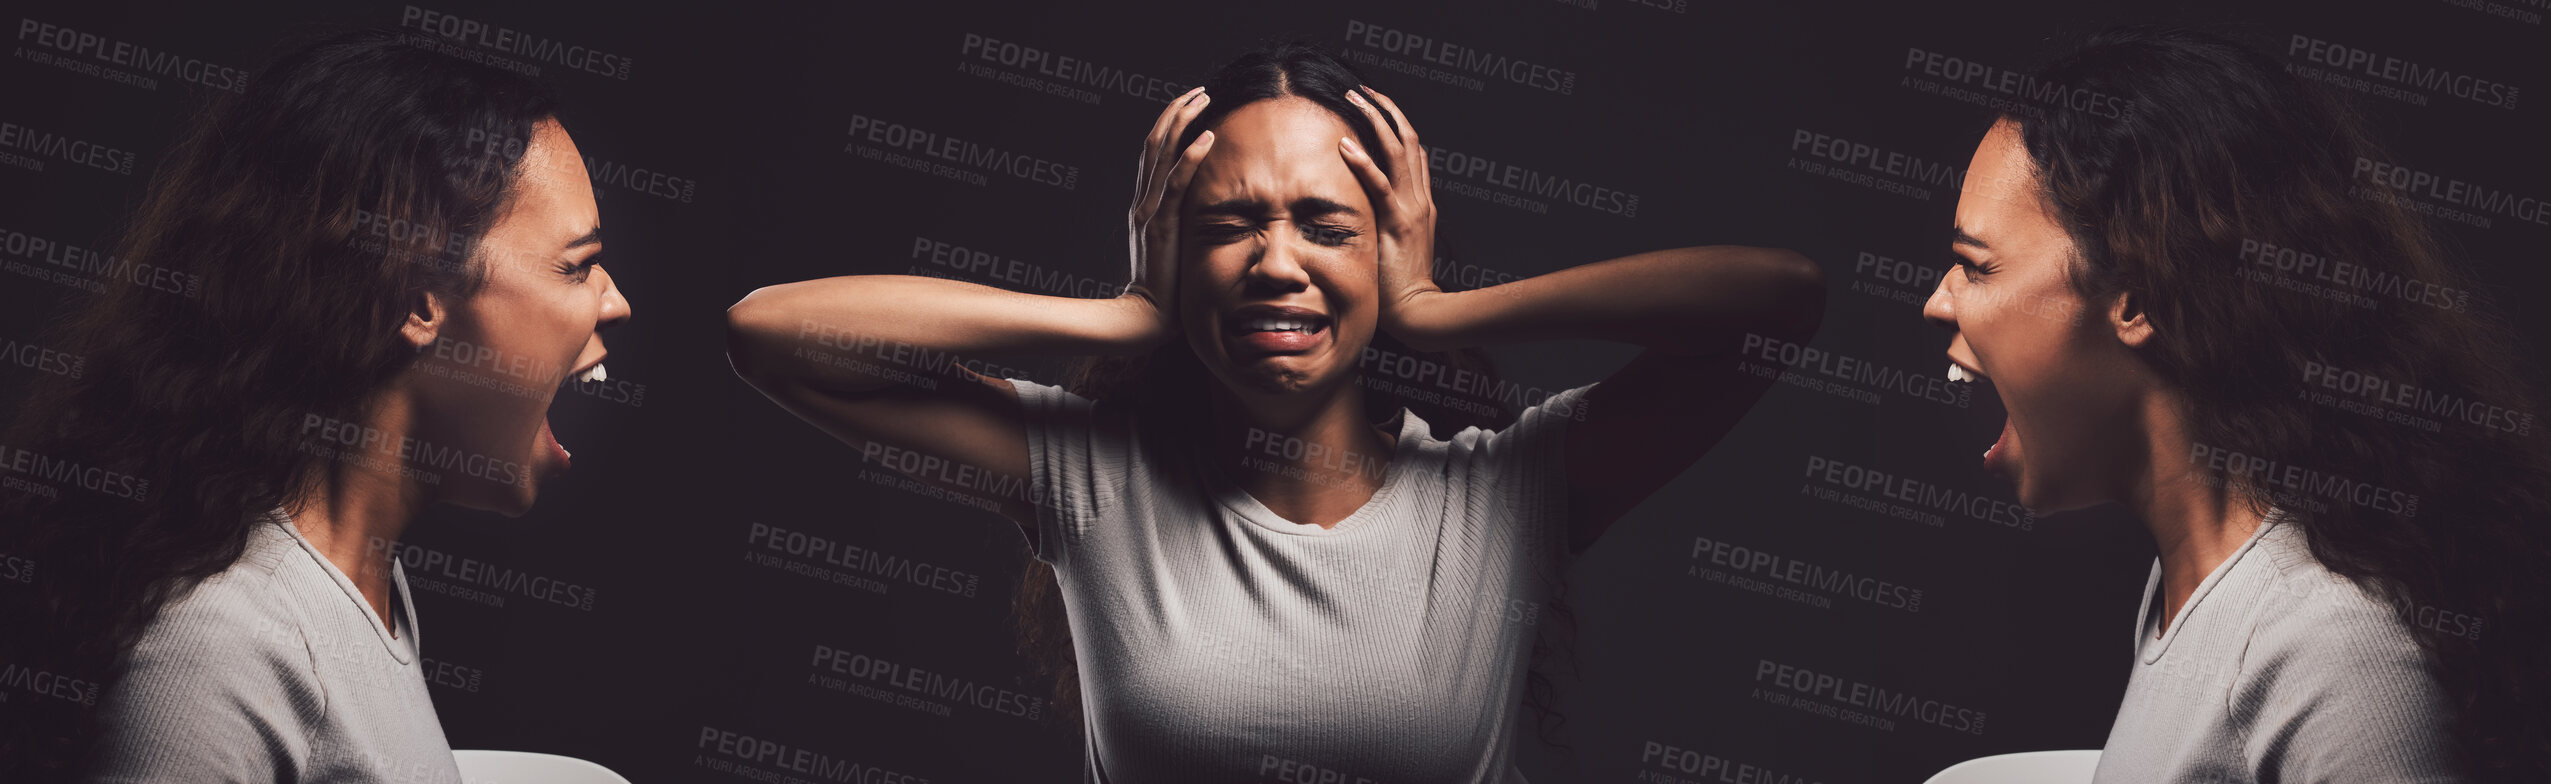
(795,333)
(1683,301)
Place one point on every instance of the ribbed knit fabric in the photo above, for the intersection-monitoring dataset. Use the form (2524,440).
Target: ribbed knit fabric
(2277,670)
(1218,641)
(276,670)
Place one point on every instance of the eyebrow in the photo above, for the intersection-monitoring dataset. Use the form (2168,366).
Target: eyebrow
(1958,236)
(1307,206)
(592,237)
(1228,207)
(1314,206)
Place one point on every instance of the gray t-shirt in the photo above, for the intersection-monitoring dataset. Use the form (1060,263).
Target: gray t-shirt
(1218,641)
(276,670)
(2277,670)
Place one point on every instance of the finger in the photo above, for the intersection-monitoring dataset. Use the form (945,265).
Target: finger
(1417,156)
(1165,157)
(1151,141)
(1174,197)
(1381,128)
(1147,170)
(1377,186)
(1162,232)
(1407,132)
(1160,125)
(1412,154)
(1425,172)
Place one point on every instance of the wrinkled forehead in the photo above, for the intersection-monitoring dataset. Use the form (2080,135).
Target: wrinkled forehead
(550,159)
(552,205)
(1278,149)
(2001,188)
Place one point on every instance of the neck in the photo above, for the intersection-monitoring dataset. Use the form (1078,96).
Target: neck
(2197,515)
(1307,455)
(354,509)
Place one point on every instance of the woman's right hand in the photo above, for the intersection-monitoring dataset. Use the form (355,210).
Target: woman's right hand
(1160,188)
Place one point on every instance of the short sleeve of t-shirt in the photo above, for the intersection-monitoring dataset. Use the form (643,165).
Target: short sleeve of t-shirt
(1528,460)
(1077,461)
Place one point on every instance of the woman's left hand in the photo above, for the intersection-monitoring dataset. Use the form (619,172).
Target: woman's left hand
(1404,203)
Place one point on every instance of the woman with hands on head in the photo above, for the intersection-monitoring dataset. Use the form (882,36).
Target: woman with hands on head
(1266,566)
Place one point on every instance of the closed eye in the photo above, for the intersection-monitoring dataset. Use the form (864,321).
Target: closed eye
(579,271)
(1223,231)
(1330,235)
(1972,269)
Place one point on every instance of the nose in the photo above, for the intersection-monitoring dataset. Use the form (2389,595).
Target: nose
(615,308)
(1941,308)
(1276,268)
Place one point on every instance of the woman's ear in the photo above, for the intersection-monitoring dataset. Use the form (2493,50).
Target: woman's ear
(426,315)
(2126,316)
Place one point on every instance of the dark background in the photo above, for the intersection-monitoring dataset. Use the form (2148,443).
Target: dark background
(1693,110)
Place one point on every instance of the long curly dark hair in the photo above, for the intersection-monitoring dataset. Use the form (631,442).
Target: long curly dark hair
(2225,164)
(270,210)
(1171,384)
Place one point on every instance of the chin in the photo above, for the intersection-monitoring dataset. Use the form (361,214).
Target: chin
(2043,501)
(502,501)
(520,504)
(1278,376)
(510,491)
(1279,380)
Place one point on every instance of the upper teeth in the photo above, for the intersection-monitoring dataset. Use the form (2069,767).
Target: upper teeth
(1265,324)
(1960,373)
(591,374)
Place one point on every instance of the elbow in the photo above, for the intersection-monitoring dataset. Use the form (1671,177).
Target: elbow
(748,336)
(1797,286)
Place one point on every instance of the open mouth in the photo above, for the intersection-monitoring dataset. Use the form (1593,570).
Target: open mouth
(548,437)
(1997,457)
(1273,330)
